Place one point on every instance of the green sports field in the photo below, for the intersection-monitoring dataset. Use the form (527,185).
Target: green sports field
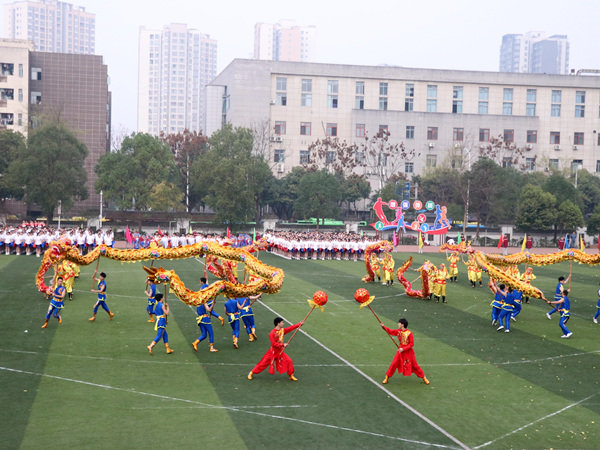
(87,384)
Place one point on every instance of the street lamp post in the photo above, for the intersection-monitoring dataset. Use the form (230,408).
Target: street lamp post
(100,224)
(466,218)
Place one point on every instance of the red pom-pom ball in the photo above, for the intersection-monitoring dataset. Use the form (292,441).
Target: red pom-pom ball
(320,298)
(361,295)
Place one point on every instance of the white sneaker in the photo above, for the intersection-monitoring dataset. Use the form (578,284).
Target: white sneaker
(501,327)
(548,316)
(507,331)
(595,320)
(513,319)
(569,335)
(493,322)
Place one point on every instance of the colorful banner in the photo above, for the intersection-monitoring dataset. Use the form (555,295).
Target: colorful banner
(441,224)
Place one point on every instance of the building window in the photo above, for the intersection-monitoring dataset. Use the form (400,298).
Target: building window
(281,98)
(359,102)
(580,97)
(279,127)
(409,94)
(483,108)
(576,165)
(360,88)
(578,138)
(530,109)
(598,165)
(20,70)
(359,157)
(21,95)
(410,132)
(330,158)
(409,167)
(509,135)
(458,134)
(305,128)
(360,130)
(383,89)
(410,90)
(408,104)
(431,161)
(553,164)
(36,98)
(432,133)
(555,110)
(306,85)
(383,103)
(508,95)
(382,159)
(304,157)
(332,93)
(484,135)
(457,106)
(36,73)
(383,130)
(281,84)
(530,164)
(531,95)
(556,96)
(532,136)
(579,110)
(332,129)
(484,93)
(507,109)
(431,105)
(306,99)
(457,92)
(20,119)
(507,162)
(279,156)
(555,137)
(431,91)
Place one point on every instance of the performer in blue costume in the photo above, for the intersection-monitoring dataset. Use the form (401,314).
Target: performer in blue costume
(57,303)
(564,308)
(500,295)
(558,293)
(233,315)
(247,315)
(211,303)
(204,310)
(101,291)
(161,311)
(508,307)
(150,293)
(518,297)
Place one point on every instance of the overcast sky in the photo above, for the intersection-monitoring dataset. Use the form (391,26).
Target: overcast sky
(459,34)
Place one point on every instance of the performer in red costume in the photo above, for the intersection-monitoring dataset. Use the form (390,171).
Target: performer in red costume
(404,360)
(275,358)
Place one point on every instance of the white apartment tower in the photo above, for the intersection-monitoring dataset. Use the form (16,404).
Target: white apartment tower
(285,41)
(533,52)
(174,66)
(53,26)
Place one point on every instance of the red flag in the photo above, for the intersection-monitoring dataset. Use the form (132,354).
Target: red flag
(228,233)
(128,235)
(159,231)
(501,241)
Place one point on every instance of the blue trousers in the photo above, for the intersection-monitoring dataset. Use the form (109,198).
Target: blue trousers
(206,329)
(235,326)
(562,323)
(162,334)
(505,316)
(496,313)
(517,310)
(101,303)
(248,323)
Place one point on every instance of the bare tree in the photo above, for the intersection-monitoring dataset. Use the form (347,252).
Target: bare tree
(261,130)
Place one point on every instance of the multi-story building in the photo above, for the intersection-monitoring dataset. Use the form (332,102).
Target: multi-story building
(285,41)
(533,52)
(174,66)
(52,25)
(40,86)
(554,119)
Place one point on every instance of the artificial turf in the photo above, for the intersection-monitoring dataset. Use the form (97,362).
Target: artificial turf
(87,384)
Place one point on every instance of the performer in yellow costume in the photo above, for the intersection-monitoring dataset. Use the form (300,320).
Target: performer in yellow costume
(471,271)
(388,269)
(528,277)
(375,265)
(453,271)
(441,275)
(66,270)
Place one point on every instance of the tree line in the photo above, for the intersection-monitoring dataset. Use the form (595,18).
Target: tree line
(230,173)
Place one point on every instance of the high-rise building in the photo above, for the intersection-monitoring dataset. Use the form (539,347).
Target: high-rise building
(285,41)
(53,26)
(40,86)
(533,52)
(174,66)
